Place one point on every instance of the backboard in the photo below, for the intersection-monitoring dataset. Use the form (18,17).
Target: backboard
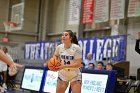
(17,16)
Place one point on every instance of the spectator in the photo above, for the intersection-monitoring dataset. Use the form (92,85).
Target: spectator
(109,66)
(83,65)
(137,46)
(88,60)
(5,59)
(100,65)
(91,66)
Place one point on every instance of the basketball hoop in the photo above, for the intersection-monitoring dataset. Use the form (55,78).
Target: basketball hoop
(8,25)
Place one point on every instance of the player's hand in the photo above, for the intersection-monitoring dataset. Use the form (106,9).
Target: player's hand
(60,67)
(45,64)
(19,65)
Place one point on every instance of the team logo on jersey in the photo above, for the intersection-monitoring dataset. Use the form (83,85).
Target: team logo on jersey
(67,57)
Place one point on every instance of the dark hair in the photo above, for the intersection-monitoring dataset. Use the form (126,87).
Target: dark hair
(100,62)
(83,64)
(91,64)
(5,49)
(110,64)
(73,36)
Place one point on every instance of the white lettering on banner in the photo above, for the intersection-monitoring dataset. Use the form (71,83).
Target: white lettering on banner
(46,48)
(27,51)
(80,43)
(84,45)
(84,48)
(42,51)
(107,48)
(91,46)
(32,52)
(115,48)
(37,49)
(99,54)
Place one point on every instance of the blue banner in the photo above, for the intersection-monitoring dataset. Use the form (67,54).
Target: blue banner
(112,48)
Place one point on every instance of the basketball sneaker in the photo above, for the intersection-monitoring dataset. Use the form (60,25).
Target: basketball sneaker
(1,89)
(4,86)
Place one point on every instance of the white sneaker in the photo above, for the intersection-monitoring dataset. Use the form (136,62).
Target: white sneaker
(1,89)
(4,86)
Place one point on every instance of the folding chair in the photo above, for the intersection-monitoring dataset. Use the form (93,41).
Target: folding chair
(125,87)
(136,86)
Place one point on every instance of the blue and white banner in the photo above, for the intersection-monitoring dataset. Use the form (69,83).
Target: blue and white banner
(40,50)
(112,48)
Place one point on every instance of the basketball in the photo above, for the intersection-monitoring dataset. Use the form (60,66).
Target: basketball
(53,63)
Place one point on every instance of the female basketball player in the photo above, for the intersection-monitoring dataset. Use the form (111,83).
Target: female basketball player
(70,55)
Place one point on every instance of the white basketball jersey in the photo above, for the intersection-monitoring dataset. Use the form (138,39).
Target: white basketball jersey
(67,55)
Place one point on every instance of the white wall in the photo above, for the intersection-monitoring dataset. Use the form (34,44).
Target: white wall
(57,16)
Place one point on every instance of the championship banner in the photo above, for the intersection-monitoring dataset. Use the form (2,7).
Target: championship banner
(87,15)
(134,8)
(117,9)
(112,48)
(101,12)
(74,12)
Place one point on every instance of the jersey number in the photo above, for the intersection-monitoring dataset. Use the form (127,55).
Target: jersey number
(65,63)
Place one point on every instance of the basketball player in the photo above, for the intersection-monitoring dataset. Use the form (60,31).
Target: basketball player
(70,55)
(3,68)
(4,58)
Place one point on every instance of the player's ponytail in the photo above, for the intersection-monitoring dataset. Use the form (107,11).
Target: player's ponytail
(73,36)
(74,40)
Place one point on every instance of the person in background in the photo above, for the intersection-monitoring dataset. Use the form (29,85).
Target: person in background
(5,59)
(100,65)
(137,45)
(88,60)
(3,68)
(109,66)
(91,66)
(83,65)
